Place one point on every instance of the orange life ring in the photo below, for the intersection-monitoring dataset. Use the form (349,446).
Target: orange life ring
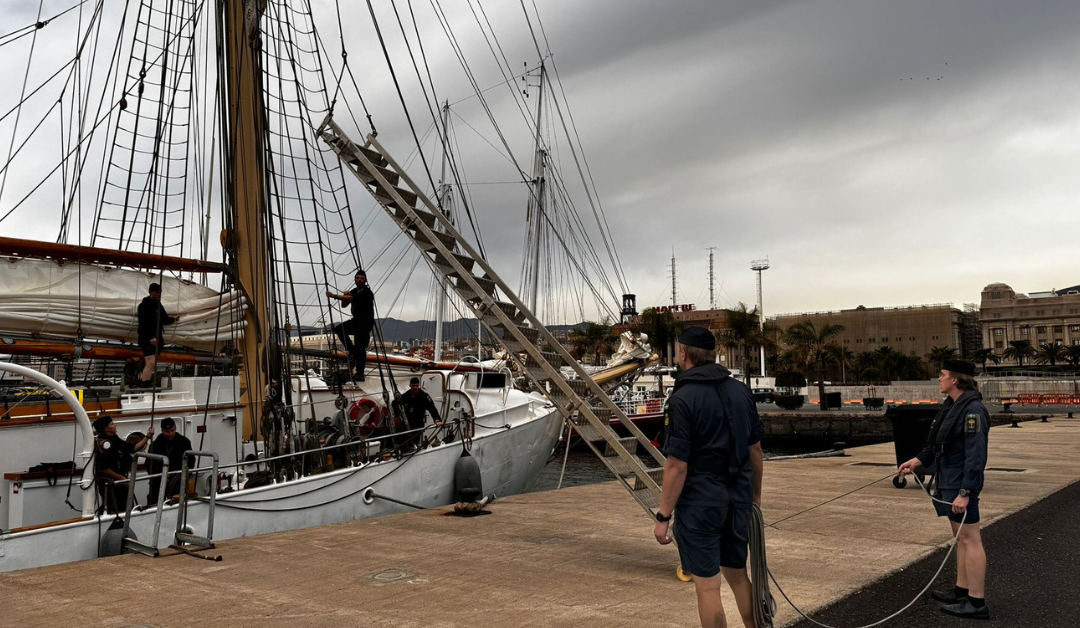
(366,415)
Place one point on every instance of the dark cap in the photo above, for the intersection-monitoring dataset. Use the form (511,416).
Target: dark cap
(414,381)
(101,423)
(959,367)
(698,337)
(154,287)
(360,272)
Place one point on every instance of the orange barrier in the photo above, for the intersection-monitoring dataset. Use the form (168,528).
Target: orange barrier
(1047,399)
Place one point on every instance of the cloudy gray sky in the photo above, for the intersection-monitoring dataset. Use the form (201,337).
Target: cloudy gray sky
(878,152)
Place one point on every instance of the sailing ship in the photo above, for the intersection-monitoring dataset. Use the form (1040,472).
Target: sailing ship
(280,444)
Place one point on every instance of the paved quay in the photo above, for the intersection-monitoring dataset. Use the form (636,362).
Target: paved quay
(580,556)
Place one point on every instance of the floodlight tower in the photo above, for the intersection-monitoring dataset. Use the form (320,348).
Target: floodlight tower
(712,279)
(758,266)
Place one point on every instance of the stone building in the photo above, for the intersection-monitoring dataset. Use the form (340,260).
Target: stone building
(1041,317)
(913,329)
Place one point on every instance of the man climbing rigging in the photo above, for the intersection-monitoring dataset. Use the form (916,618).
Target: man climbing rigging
(361,302)
(152,320)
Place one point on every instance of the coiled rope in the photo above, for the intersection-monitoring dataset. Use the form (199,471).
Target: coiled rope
(765,605)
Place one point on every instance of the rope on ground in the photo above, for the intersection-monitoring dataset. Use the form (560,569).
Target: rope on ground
(765,605)
(566,453)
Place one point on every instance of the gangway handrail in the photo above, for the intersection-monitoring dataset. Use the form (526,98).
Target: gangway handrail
(132,544)
(182,536)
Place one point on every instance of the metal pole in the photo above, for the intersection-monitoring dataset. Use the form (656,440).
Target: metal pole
(444,201)
(760,266)
(536,201)
(674,298)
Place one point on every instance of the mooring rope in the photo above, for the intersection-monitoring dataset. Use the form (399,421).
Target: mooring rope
(765,605)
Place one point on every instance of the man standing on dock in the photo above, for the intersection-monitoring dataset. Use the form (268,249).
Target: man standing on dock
(958,444)
(712,477)
(361,302)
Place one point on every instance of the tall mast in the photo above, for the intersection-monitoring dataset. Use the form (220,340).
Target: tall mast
(444,203)
(536,199)
(245,237)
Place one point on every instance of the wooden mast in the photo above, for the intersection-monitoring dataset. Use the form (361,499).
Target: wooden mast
(245,236)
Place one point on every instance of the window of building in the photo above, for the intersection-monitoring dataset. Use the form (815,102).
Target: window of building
(1025,331)
(1076,342)
(997,314)
(1055,312)
(995,295)
(1074,310)
(1041,329)
(998,344)
(1058,329)
(1042,343)
(871,340)
(1059,341)
(998,332)
(1040,312)
(1074,328)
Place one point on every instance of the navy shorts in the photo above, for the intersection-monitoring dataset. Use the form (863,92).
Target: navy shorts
(945,510)
(711,537)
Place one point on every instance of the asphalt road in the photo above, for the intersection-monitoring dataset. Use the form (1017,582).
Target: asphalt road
(1032,577)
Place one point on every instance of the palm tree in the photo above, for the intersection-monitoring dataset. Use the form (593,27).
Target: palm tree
(983,356)
(865,367)
(939,355)
(845,358)
(886,361)
(1074,355)
(742,332)
(1051,353)
(592,339)
(662,329)
(1018,350)
(813,349)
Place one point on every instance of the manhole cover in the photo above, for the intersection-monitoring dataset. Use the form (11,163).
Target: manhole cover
(387,576)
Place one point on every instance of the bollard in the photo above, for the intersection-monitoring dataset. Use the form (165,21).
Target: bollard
(1015,422)
(1007,408)
(1070,415)
(1044,418)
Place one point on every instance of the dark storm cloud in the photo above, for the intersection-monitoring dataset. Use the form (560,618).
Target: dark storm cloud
(852,142)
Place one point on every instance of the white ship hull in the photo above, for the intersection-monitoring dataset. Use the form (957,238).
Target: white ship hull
(514,438)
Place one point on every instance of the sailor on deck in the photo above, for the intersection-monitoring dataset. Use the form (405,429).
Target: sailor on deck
(416,404)
(113,457)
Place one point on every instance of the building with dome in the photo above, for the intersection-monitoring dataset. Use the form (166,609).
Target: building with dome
(1041,317)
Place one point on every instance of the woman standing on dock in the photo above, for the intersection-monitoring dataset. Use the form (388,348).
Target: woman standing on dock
(958,443)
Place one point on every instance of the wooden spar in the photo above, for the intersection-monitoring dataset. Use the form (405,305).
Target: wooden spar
(16,247)
(91,351)
(246,237)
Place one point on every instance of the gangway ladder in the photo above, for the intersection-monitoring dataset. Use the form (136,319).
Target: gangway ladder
(128,542)
(582,402)
(184,535)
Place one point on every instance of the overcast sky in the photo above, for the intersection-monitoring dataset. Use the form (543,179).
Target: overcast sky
(877,152)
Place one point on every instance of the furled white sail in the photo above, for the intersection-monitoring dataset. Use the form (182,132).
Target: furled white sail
(43,298)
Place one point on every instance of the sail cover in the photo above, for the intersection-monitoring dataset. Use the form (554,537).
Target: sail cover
(46,299)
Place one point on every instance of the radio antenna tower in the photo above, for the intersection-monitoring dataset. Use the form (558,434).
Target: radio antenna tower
(758,266)
(674,284)
(712,279)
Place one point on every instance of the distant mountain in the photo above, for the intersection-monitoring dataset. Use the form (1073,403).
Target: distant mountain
(394,330)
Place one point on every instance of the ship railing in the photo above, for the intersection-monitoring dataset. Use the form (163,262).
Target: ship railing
(466,422)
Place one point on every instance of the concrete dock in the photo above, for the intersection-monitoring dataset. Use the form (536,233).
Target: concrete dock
(580,556)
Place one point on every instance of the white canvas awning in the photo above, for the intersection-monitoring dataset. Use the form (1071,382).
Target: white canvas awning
(41,297)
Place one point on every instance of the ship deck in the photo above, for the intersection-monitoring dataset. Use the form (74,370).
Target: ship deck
(579,556)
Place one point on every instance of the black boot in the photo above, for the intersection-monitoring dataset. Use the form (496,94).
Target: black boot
(952,596)
(967,610)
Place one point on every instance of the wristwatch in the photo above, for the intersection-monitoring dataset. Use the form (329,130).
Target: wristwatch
(661,518)
(965,493)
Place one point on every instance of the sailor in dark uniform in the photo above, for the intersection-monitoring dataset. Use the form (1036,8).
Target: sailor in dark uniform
(958,444)
(113,457)
(361,302)
(416,404)
(152,320)
(712,477)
